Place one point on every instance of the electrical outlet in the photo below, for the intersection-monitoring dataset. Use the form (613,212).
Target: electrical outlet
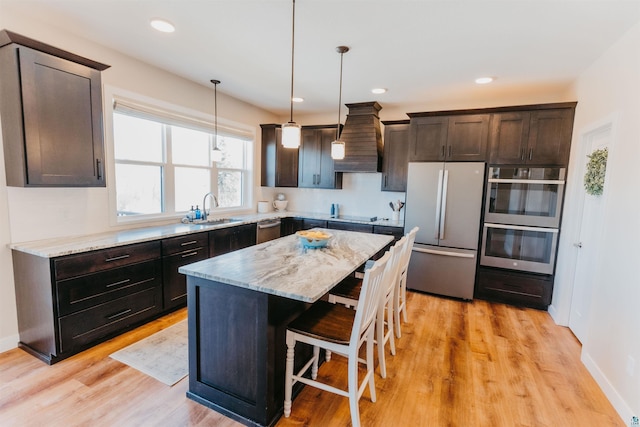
(631,365)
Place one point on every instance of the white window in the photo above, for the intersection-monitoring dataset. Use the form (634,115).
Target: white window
(163,166)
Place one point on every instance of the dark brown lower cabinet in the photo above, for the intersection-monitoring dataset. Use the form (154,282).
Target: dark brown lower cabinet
(230,239)
(67,304)
(514,287)
(290,225)
(237,350)
(350,226)
(176,252)
(308,223)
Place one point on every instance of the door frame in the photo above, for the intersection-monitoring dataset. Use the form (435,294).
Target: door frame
(560,308)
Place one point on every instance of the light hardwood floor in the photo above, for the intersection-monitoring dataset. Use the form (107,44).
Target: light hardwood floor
(458,364)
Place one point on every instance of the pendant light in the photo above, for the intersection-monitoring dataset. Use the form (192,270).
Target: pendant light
(337,146)
(291,130)
(216,154)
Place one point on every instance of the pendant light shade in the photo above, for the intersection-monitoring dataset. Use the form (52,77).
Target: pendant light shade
(291,135)
(291,131)
(337,146)
(216,154)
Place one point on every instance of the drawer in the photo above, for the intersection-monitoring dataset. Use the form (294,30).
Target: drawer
(514,288)
(86,326)
(396,232)
(174,283)
(179,244)
(350,226)
(93,289)
(91,262)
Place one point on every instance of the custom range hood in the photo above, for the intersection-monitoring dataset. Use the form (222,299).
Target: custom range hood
(362,138)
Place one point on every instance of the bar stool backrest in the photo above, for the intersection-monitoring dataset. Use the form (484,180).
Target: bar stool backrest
(372,286)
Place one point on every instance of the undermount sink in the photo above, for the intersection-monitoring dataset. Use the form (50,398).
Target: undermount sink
(216,221)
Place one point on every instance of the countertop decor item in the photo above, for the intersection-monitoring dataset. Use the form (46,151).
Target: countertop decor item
(596,169)
(313,239)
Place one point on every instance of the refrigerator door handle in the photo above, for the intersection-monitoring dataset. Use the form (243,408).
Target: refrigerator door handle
(443,201)
(443,253)
(439,203)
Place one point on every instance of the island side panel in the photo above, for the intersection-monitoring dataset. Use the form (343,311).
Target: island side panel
(237,349)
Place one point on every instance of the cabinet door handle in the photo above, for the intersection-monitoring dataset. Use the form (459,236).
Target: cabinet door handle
(117,258)
(385,181)
(99,169)
(121,313)
(530,153)
(450,151)
(121,282)
(318,182)
(443,151)
(188,243)
(190,254)
(521,156)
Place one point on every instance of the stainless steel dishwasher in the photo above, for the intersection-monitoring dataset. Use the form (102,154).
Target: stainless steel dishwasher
(268,230)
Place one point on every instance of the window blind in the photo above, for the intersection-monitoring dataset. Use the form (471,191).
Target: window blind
(148,112)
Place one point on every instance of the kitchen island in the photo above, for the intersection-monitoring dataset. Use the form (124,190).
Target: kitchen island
(239,306)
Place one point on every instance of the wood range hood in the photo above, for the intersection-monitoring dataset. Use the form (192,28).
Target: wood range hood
(363,139)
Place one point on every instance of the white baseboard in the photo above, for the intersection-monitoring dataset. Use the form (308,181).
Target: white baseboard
(621,407)
(9,343)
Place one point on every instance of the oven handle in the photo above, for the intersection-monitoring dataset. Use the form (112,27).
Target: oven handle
(520,227)
(526,181)
(443,253)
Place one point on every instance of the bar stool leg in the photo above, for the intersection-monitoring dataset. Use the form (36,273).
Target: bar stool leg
(288,376)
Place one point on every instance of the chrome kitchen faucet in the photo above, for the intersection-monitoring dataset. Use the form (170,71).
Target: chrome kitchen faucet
(204,204)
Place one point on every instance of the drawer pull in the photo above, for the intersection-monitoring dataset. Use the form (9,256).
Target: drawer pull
(122,313)
(188,243)
(117,258)
(190,254)
(121,282)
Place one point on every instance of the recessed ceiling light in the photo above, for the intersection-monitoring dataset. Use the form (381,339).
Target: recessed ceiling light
(378,90)
(296,99)
(484,80)
(162,25)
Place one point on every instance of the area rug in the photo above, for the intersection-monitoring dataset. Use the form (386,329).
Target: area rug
(163,355)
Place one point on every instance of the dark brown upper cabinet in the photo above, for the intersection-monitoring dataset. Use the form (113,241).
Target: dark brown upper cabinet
(51,107)
(315,167)
(537,137)
(448,138)
(279,164)
(395,157)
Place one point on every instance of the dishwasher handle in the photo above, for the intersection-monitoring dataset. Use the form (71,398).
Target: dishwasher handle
(269,224)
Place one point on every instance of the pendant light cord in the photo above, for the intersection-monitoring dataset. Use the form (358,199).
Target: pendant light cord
(215,112)
(293,32)
(339,98)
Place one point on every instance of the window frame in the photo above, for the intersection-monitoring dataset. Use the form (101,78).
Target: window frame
(180,116)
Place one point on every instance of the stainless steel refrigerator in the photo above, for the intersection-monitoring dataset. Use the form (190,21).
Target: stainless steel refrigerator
(445,201)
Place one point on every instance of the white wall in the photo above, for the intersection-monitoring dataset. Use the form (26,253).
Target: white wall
(39,213)
(609,88)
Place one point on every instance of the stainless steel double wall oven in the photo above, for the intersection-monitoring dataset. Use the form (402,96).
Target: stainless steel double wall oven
(522,215)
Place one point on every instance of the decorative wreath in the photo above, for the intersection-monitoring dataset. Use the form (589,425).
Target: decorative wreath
(596,168)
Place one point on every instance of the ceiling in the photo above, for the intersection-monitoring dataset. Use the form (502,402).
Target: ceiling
(420,50)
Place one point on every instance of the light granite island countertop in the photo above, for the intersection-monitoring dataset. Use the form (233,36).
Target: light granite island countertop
(239,306)
(283,267)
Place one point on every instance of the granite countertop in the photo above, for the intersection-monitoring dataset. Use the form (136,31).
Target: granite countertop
(283,267)
(56,247)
